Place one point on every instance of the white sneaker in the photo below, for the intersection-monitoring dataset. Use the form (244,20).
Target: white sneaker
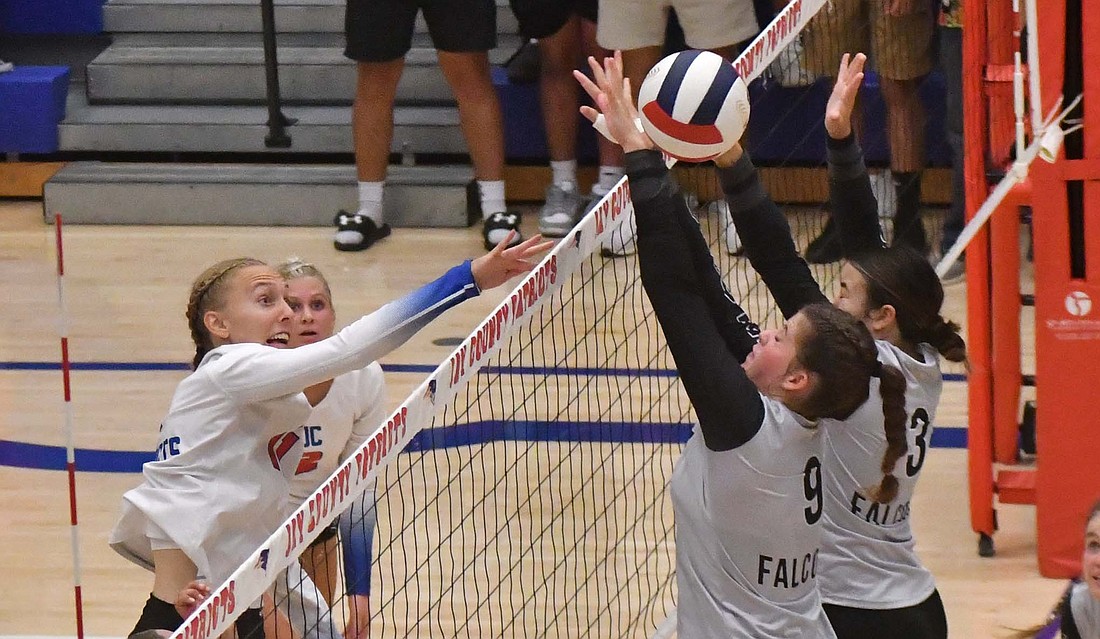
(729,232)
(882,185)
(6,66)
(787,68)
(559,214)
(623,240)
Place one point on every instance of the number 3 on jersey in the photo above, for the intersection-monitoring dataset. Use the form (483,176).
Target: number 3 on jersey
(811,486)
(920,423)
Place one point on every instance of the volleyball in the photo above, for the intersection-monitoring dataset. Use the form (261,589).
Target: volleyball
(694,105)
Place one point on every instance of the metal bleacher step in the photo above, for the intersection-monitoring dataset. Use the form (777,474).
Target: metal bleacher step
(243,16)
(248,195)
(174,74)
(418,130)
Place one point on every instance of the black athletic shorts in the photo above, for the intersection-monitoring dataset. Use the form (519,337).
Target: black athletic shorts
(382,30)
(925,620)
(541,18)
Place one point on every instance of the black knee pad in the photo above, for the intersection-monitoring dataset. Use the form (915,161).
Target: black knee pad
(250,625)
(157,615)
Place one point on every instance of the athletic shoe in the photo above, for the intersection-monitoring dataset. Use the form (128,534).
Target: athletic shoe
(955,274)
(6,66)
(729,232)
(497,226)
(623,241)
(827,247)
(355,232)
(559,214)
(524,65)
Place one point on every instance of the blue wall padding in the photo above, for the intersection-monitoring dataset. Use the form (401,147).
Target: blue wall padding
(32,104)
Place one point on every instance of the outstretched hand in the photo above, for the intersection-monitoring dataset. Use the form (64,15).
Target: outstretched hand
(612,95)
(188,599)
(838,111)
(502,263)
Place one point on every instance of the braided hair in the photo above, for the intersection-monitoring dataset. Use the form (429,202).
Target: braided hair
(294,267)
(207,293)
(904,279)
(840,352)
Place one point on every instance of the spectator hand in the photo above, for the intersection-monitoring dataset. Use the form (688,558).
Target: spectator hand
(838,111)
(612,95)
(502,263)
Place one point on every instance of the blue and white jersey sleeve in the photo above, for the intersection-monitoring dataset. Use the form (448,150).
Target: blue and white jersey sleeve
(260,373)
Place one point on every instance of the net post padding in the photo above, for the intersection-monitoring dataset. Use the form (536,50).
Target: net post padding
(251,580)
(1067,292)
(979,377)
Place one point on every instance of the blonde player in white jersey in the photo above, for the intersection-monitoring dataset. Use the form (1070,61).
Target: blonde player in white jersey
(747,490)
(346,411)
(872,582)
(217,489)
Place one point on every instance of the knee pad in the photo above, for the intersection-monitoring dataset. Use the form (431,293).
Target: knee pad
(157,615)
(250,625)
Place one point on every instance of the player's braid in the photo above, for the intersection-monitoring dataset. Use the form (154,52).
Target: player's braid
(206,294)
(294,267)
(892,390)
(842,354)
(944,336)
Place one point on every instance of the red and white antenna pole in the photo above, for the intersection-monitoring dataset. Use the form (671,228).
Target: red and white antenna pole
(70,453)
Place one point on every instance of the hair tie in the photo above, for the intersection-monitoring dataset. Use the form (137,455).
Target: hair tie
(876,369)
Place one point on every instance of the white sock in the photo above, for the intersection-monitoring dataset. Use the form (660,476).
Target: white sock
(564,171)
(370,200)
(492,197)
(609,177)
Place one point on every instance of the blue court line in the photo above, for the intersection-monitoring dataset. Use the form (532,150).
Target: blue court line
(38,456)
(389,368)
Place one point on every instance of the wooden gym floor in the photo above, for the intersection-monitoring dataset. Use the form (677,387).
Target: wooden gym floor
(126,292)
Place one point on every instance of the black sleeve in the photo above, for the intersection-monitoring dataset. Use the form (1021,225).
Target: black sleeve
(1068,624)
(853,203)
(691,305)
(766,236)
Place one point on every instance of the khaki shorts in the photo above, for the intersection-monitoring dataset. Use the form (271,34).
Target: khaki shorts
(707,24)
(899,48)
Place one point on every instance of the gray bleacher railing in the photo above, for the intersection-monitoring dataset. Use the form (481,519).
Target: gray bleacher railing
(276,137)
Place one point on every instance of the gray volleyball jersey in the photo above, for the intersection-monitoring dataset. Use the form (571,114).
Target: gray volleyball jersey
(747,538)
(867,557)
(1086,611)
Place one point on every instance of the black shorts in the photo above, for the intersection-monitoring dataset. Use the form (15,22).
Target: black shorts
(926,620)
(541,18)
(328,533)
(382,30)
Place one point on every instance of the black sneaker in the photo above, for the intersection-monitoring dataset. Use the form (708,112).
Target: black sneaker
(827,247)
(497,226)
(355,232)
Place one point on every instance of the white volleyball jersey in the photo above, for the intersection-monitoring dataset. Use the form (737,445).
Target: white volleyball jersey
(747,534)
(232,436)
(867,557)
(351,411)
(1086,611)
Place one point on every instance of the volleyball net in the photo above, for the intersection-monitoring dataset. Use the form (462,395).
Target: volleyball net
(522,487)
